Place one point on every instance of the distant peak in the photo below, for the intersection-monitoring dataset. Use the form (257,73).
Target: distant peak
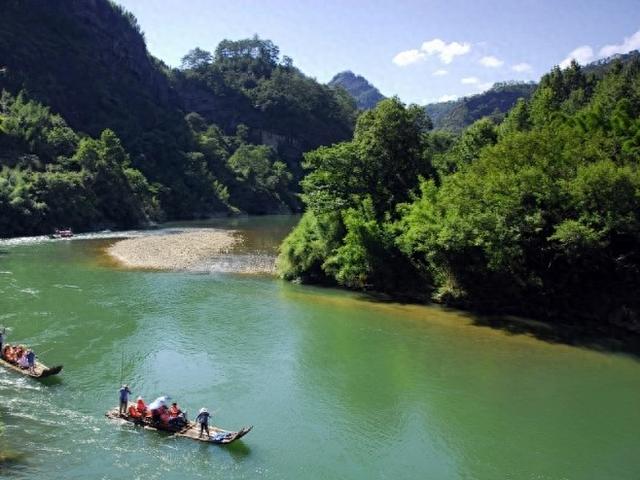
(364,93)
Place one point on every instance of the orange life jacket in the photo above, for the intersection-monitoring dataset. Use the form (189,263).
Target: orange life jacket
(133,411)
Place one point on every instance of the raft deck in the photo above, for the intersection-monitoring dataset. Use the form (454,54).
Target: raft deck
(40,370)
(192,430)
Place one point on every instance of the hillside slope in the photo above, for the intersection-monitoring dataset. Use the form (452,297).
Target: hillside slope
(455,115)
(208,140)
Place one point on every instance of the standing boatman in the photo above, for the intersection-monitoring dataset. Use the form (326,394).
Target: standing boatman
(31,359)
(124,398)
(2,340)
(203,420)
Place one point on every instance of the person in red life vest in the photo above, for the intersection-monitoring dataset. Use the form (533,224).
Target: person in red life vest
(139,409)
(177,418)
(141,406)
(174,410)
(10,353)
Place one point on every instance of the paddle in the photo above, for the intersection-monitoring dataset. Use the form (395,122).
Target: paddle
(122,368)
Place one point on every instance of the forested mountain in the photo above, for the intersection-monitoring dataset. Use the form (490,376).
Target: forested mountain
(537,215)
(602,66)
(455,115)
(224,133)
(366,95)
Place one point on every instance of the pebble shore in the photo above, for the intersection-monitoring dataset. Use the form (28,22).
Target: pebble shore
(174,251)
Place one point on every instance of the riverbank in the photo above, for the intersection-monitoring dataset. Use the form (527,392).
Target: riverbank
(173,251)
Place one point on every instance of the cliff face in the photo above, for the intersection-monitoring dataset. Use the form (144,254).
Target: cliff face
(86,60)
(366,95)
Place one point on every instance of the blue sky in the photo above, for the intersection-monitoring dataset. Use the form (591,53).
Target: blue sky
(422,51)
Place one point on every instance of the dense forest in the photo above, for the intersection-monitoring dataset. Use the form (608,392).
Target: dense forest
(224,133)
(538,213)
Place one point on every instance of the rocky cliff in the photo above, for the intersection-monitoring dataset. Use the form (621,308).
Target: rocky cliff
(86,59)
(366,95)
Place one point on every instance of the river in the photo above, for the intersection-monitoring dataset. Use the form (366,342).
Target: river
(335,384)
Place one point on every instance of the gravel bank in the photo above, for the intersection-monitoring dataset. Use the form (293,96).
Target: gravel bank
(174,251)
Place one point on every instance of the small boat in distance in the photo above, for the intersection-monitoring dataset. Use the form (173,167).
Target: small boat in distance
(62,233)
(191,430)
(40,370)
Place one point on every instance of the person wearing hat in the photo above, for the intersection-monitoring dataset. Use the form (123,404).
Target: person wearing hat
(124,398)
(203,420)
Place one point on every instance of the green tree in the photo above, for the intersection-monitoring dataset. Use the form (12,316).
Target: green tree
(196,59)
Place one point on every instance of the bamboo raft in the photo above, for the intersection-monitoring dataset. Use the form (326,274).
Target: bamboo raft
(40,370)
(192,430)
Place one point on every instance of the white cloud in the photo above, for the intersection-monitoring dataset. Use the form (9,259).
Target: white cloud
(447,98)
(469,80)
(491,62)
(581,55)
(521,67)
(440,73)
(629,43)
(445,51)
(408,57)
(484,86)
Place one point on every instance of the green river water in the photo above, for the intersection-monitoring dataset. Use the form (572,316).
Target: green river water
(336,386)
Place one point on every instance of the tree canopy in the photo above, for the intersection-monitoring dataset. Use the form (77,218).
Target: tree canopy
(538,214)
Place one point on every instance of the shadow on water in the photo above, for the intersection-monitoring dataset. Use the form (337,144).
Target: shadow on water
(54,381)
(603,338)
(238,450)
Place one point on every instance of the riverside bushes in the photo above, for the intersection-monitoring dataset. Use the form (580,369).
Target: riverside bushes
(538,215)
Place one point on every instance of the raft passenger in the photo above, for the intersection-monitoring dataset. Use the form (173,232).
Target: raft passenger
(10,354)
(177,417)
(141,406)
(23,362)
